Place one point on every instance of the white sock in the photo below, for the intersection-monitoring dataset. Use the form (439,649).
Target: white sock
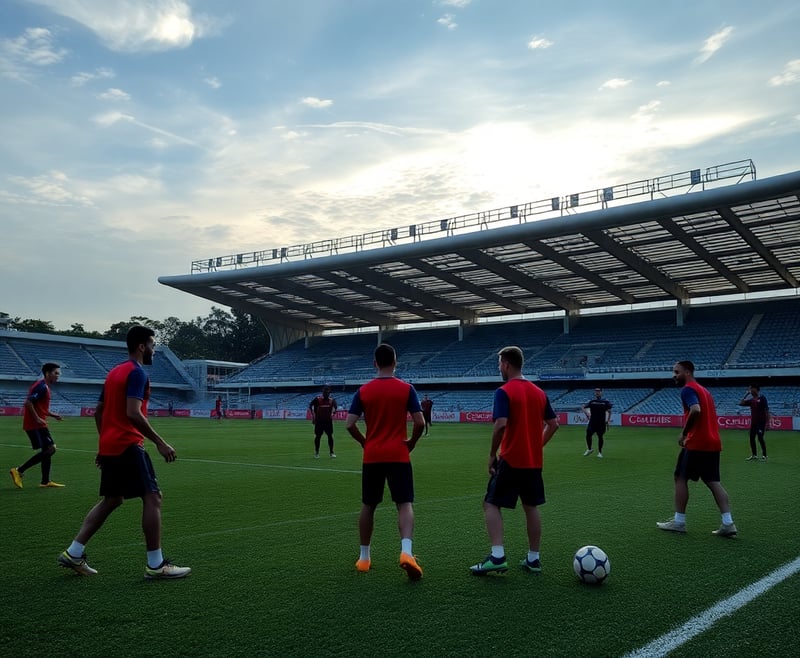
(727,519)
(498,551)
(76,549)
(533,556)
(155,558)
(680,517)
(364,552)
(405,546)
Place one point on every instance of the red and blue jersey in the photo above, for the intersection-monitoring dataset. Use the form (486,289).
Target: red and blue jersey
(323,408)
(526,408)
(704,435)
(385,403)
(117,432)
(39,397)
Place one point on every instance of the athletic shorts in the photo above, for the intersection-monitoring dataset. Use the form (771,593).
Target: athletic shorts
(40,438)
(509,483)
(129,475)
(595,429)
(375,475)
(323,427)
(698,465)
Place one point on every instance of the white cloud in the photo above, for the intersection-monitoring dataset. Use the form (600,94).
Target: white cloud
(111,118)
(789,76)
(539,43)
(213,82)
(448,21)
(133,26)
(663,83)
(713,44)
(114,94)
(615,83)
(80,79)
(316,103)
(460,4)
(646,111)
(51,189)
(34,46)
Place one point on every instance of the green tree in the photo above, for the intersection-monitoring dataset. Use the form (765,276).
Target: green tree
(34,326)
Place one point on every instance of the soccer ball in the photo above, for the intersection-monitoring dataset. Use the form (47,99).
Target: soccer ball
(591,565)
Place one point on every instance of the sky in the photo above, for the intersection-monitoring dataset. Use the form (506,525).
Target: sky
(139,135)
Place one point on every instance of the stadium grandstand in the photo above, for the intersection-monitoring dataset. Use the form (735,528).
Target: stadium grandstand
(602,288)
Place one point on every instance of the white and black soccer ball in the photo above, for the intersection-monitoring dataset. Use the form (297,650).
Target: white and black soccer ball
(591,565)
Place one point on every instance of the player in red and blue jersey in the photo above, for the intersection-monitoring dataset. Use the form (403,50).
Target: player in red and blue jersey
(524,421)
(700,450)
(322,409)
(385,402)
(126,470)
(34,422)
(759,419)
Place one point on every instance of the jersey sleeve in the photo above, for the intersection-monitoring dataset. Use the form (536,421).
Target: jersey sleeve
(137,384)
(38,392)
(549,414)
(500,406)
(356,408)
(413,400)
(689,396)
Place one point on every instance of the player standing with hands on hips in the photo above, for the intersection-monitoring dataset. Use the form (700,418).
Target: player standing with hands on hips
(700,450)
(524,422)
(598,413)
(125,468)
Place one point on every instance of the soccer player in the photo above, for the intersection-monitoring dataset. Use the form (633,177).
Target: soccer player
(322,409)
(598,413)
(427,405)
(125,467)
(759,418)
(700,449)
(34,422)
(524,421)
(385,403)
(218,407)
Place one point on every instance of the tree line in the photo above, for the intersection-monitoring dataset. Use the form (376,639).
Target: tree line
(221,335)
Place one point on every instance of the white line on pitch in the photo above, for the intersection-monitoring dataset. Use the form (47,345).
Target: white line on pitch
(702,622)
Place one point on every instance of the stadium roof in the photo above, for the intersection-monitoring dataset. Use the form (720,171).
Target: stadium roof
(739,238)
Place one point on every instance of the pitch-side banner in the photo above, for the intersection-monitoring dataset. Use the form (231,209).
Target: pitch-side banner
(725,422)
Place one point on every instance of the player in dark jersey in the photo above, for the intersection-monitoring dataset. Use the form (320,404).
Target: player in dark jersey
(125,467)
(427,408)
(34,422)
(524,421)
(598,412)
(322,409)
(759,420)
(699,456)
(385,402)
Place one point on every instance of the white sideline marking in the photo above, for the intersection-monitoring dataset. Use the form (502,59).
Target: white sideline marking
(213,461)
(702,622)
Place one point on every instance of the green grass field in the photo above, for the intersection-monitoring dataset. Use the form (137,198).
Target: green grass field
(271,536)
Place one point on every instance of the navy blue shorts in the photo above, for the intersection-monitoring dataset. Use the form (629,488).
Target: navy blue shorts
(130,475)
(374,476)
(40,438)
(698,465)
(323,427)
(509,484)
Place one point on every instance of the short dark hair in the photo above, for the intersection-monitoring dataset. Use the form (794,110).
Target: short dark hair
(513,356)
(687,365)
(385,355)
(49,367)
(138,335)
(755,386)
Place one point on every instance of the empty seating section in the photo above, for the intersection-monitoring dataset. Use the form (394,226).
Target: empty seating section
(769,345)
(622,399)
(74,360)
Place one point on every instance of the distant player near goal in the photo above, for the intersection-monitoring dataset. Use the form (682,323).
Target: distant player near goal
(759,419)
(323,407)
